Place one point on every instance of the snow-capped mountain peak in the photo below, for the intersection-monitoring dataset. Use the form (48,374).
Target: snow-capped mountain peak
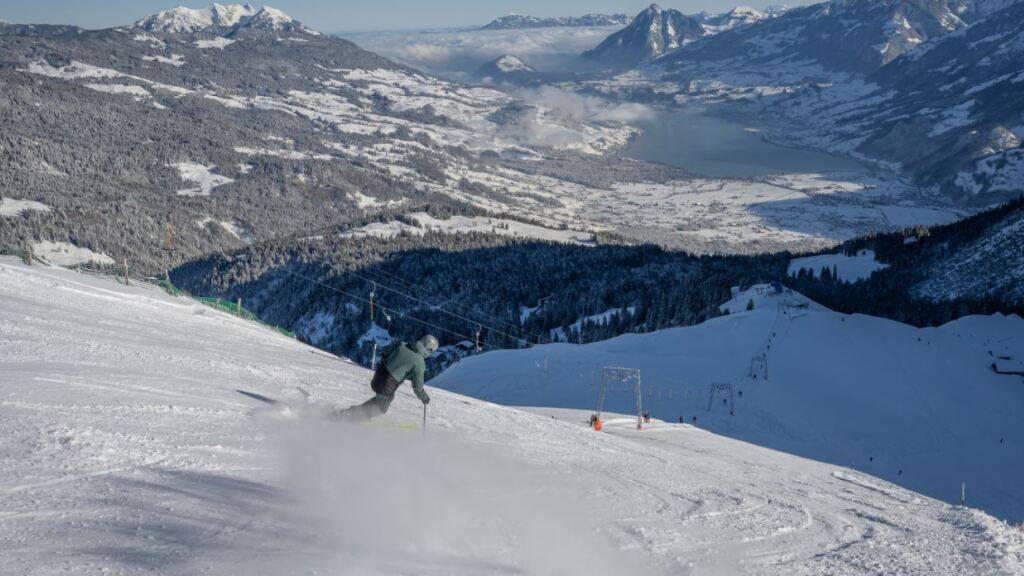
(510,63)
(230,15)
(177,20)
(746,11)
(272,19)
(653,32)
(183,20)
(506,69)
(738,16)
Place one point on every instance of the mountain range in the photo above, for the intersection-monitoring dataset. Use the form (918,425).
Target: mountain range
(519,22)
(221,18)
(957,98)
(862,78)
(223,134)
(657,31)
(241,131)
(825,35)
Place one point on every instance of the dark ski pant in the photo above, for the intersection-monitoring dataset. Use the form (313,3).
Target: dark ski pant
(385,385)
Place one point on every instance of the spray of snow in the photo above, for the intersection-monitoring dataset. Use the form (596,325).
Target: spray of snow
(390,501)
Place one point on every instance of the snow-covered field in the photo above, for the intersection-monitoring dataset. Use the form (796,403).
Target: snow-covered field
(809,209)
(127,448)
(847,268)
(67,254)
(14,207)
(201,176)
(466,225)
(918,407)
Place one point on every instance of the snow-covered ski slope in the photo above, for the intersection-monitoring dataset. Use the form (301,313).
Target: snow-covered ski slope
(125,448)
(918,407)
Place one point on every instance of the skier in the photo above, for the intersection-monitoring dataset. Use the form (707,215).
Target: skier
(401,363)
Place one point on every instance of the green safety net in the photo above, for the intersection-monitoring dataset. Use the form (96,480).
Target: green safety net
(227,306)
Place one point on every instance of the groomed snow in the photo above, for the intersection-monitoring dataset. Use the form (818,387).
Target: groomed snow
(848,268)
(127,448)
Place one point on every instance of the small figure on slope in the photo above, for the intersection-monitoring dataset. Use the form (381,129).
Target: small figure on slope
(401,363)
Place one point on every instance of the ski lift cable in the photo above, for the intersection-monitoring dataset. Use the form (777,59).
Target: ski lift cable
(386,309)
(440,309)
(413,288)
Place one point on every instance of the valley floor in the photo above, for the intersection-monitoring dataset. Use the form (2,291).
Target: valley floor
(126,447)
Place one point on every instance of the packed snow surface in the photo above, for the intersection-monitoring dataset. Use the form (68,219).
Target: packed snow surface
(860,266)
(127,446)
(918,407)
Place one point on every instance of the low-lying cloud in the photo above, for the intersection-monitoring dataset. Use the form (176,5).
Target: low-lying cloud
(575,107)
(458,53)
(554,117)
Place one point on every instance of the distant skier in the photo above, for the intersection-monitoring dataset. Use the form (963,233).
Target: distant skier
(401,363)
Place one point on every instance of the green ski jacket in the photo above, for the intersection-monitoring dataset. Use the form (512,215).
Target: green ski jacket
(408,362)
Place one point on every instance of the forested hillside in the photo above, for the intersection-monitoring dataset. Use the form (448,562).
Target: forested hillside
(517,292)
(935,275)
(160,146)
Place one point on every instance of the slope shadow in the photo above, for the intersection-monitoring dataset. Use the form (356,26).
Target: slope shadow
(176,520)
(259,397)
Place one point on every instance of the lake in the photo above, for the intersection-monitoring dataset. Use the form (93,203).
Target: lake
(719,147)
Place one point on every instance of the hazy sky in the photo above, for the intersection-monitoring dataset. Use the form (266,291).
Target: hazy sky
(338,15)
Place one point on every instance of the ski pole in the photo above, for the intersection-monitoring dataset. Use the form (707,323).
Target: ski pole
(424,420)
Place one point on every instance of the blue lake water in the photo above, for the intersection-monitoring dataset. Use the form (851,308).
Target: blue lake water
(721,147)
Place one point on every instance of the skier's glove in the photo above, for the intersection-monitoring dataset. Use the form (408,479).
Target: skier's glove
(422,395)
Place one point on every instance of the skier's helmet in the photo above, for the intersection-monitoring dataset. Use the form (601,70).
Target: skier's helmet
(430,344)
